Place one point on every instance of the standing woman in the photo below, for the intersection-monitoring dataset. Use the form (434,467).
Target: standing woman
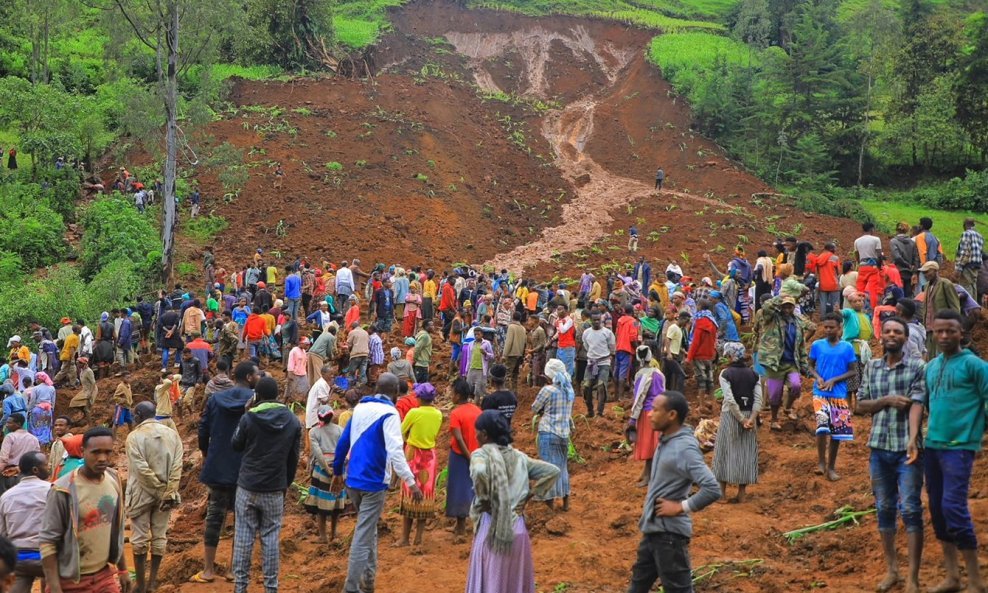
(501,559)
(462,426)
(400,287)
(413,310)
(649,384)
(420,429)
(736,449)
(554,408)
(763,274)
(321,501)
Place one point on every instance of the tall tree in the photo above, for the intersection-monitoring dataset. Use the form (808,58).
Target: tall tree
(291,33)
(972,85)
(180,33)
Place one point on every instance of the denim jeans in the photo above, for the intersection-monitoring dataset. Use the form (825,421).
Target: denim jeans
(568,357)
(291,308)
(898,488)
(358,369)
(948,478)
(664,557)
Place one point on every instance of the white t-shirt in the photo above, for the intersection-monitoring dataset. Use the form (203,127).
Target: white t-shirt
(675,335)
(868,247)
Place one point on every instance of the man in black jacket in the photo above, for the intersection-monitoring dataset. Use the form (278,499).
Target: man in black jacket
(220,463)
(269,435)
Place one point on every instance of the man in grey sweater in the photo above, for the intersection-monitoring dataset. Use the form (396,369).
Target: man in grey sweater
(666,523)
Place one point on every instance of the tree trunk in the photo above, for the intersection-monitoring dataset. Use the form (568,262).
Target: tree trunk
(171,144)
(864,133)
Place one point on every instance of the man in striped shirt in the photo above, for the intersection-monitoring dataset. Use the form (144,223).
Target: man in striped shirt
(970,254)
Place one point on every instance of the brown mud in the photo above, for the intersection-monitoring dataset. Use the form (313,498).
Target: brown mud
(553,203)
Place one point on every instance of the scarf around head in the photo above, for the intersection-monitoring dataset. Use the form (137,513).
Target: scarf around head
(501,535)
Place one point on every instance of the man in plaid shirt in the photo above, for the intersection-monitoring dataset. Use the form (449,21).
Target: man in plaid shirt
(888,388)
(970,254)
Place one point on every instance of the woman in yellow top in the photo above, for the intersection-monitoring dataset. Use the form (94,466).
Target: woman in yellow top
(429,292)
(521,293)
(420,428)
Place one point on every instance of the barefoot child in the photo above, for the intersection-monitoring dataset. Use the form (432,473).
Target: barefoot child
(321,502)
(419,429)
(832,363)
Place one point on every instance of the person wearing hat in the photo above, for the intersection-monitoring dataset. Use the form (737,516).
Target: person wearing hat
(321,501)
(18,351)
(87,394)
(781,350)
(553,407)
(65,330)
(940,294)
(736,449)
(649,383)
(263,301)
(297,378)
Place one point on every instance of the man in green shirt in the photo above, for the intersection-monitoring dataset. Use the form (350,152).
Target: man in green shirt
(423,352)
(956,394)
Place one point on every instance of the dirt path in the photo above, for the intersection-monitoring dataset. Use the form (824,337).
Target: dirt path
(586,218)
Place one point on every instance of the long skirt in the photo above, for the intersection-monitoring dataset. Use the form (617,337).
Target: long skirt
(313,367)
(427,311)
(490,572)
(648,438)
(554,449)
(459,486)
(423,464)
(408,325)
(321,501)
(735,452)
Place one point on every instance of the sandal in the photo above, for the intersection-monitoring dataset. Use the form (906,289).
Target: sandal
(198,578)
(776,426)
(792,415)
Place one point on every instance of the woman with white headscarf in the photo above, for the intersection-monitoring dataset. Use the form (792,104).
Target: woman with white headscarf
(736,447)
(554,408)
(401,367)
(649,383)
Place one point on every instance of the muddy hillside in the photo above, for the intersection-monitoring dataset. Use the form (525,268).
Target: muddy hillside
(530,144)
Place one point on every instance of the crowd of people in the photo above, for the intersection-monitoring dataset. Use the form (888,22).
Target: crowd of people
(368,353)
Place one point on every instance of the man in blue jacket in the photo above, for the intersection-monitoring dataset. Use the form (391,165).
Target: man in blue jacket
(269,435)
(372,439)
(220,463)
(293,291)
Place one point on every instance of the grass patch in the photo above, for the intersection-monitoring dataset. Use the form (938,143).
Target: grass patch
(334,166)
(204,228)
(947,224)
(257,72)
(669,16)
(685,57)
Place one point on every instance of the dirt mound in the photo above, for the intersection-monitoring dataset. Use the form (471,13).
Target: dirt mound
(424,166)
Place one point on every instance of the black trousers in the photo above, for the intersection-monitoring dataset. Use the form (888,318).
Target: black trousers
(221,501)
(664,557)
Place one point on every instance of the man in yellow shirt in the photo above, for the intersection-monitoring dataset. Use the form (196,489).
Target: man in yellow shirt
(70,347)
(18,351)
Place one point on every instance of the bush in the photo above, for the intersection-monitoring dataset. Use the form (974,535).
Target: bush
(115,230)
(31,229)
(204,228)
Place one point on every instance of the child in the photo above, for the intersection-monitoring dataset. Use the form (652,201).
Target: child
(123,397)
(420,429)
(321,501)
(832,363)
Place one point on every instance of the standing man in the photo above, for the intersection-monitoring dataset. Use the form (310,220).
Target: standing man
(423,351)
(601,344)
(344,286)
(956,391)
(565,338)
(22,511)
(666,522)
(869,250)
(154,463)
(905,256)
(832,363)
(970,253)
(514,348)
(269,437)
(633,239)
(888,388)
(703,350)
(827,266)
(358,342)
(781,351)
(447,303)
(220,463)
(384,308)
(293,292)
(660,177)
(940,295)
(82,535)
(626,336)
(16,444)
(372,440)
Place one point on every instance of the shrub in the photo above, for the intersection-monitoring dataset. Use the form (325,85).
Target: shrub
(115,230)
(204,228)
(31,228)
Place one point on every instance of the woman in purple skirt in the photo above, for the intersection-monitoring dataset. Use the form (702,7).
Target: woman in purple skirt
(501,559)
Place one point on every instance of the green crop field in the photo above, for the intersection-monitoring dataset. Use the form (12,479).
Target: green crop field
(684,56)
(946,223)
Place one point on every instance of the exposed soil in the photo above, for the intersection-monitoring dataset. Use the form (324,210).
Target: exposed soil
(555,203)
